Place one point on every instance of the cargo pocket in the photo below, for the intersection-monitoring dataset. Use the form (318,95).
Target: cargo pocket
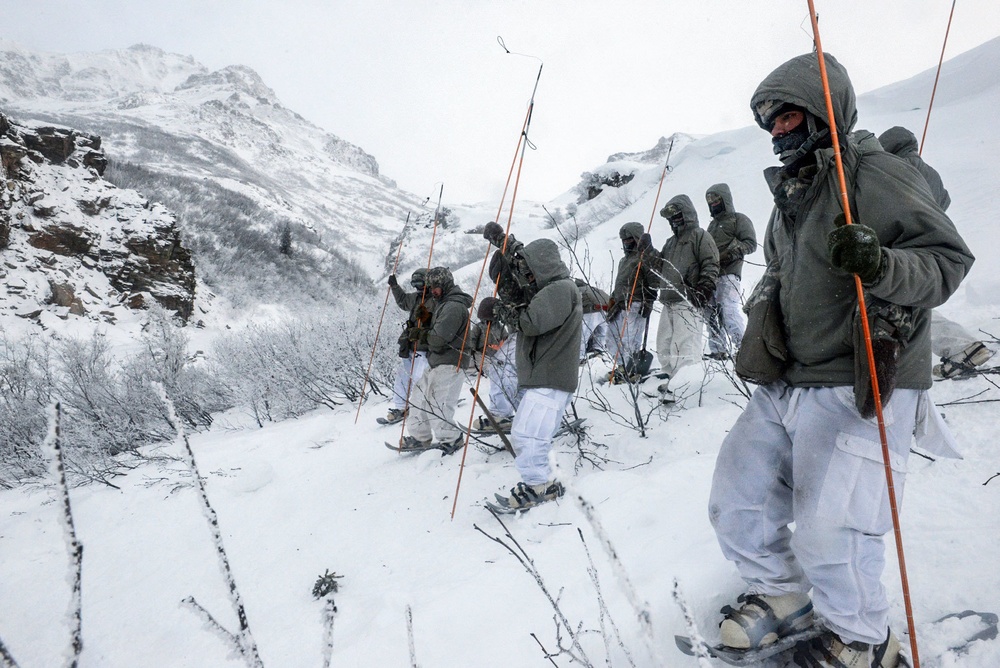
(854,493)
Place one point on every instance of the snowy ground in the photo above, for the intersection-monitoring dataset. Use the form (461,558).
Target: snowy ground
(297,498)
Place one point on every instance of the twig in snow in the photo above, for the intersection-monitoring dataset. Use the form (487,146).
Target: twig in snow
(212,624)
(329,612)
(545,652)
(990,478)
(52,447)
(697,641)
(529,566)
(603,607)
(640,607)
(409,637)
(243,640)
(6,660)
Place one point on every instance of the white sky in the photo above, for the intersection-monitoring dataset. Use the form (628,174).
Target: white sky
(424,87)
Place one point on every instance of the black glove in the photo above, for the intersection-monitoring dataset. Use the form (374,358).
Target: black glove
(494,233)
(856,250)
(507,313)
(486,307)
(731,255)
(614,308)
(645,242)
(645,309)
(392,281)
(700,295)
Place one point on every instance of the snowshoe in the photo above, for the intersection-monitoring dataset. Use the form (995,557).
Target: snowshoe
(393,416)
(763,620)
(963,364)
(450,447)
(524,496)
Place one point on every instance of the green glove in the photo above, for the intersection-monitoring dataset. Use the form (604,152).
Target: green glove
(856,250)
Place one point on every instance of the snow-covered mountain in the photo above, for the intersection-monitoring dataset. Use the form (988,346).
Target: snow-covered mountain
(220,151)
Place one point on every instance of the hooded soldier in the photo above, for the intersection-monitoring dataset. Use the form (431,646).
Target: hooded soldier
(690,269)
(549,328)
(806,447)
(438,389)
(900,141)
(632,300)
(734,237)
(959,349)
(412,342)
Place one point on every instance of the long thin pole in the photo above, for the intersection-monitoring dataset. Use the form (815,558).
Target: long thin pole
(423,297)
(845,202)
(378,331)
(930,105)
(522,145)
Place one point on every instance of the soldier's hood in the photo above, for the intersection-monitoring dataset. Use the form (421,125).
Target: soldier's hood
(798,82)
(722,190)
(898,140)
(684,203)
(542,256)
(632,231)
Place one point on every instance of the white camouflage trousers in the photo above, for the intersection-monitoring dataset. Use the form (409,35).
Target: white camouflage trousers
(501,371)
(679,337)
(407,374)
(725,331)
(593,325)
(434,400)
(623,346)
(804,455)
(537,420)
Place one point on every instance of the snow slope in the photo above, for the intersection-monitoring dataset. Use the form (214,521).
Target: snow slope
(322,492)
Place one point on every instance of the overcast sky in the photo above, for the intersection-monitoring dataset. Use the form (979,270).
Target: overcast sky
(424,86)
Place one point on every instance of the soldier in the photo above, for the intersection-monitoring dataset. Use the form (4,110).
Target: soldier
(734,237)
(497,357)
(805,451)
(959,350)
(548,322)
(632,302)
(438,389)
(689,270)
(412,345)
(595,327)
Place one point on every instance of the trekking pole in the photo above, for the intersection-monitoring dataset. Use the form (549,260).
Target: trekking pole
(936,77)
(522,144)
(845,202)
(635,279)
(423,296)
(378,331)
(493,421)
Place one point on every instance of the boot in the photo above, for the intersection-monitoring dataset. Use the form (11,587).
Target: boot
(830,651)
(964,362)
(762,620)
(524,495)
(411,443)
(395,415)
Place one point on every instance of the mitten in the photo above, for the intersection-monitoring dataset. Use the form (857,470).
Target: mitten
(645,241)
(494,233)
(392,280)
(856,250)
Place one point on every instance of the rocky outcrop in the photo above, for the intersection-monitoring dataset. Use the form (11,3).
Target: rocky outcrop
(97,246)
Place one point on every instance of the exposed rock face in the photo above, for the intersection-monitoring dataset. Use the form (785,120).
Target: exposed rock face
(97,246)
